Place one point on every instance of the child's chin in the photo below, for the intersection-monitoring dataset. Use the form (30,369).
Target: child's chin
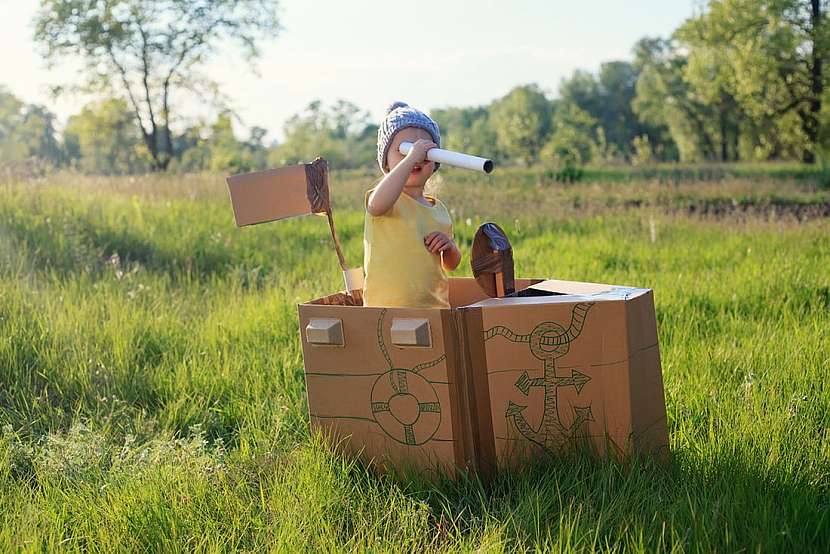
(416,181)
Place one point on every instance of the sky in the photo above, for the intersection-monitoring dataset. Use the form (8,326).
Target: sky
(428,53)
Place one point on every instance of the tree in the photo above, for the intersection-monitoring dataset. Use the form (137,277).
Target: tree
(607,98)
(468,130)
(776,51)
(341,134)
(27,133)
(574,140)
(103,139)
(521,120)
(151,51)
(665,97)
(687,90)
(226,152)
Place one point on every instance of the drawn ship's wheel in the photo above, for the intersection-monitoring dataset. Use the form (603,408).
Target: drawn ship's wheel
(406,406)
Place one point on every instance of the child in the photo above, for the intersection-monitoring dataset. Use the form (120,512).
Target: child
(407,244)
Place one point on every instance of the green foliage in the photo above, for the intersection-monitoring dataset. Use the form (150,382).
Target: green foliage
(342,134)
(643,153)
(568,172)
(521,121)
(226,153)
(574,140)
(468,130)
(665,98)
(607,99)
(767,55)
(27,134)
(103,139)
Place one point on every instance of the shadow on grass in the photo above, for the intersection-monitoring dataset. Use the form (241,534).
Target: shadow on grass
(729,504)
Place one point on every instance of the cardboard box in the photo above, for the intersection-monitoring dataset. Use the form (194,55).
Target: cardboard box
(489,382)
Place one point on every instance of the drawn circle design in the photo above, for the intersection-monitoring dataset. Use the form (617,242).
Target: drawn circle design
(406,407)
(548,330)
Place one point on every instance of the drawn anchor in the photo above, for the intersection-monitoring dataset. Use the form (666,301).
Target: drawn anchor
(577,379)
(548,341)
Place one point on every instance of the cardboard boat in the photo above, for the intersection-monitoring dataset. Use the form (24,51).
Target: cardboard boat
(488,383)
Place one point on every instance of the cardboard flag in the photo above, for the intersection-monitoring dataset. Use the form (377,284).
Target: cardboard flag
(290,191)
(274,194)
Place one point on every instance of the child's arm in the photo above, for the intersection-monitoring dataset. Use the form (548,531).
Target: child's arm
(389,189)
(439,243)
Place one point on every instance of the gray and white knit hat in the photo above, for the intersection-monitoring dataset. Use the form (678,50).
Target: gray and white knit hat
(400,116)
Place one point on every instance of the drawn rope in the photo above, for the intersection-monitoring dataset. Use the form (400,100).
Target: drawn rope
(506,333)
(578,316)
(427,365)
(380,339)
(579,313)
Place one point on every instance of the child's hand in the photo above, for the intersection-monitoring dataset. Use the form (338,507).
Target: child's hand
(437,242)
(418,152)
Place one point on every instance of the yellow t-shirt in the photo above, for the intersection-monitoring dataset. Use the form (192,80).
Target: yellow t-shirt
(399,270)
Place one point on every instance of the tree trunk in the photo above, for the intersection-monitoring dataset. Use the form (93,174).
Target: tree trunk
(810,119)
(724,131)
(152,148)
(168,137)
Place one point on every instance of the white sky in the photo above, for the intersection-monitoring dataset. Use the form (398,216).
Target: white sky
(429,53)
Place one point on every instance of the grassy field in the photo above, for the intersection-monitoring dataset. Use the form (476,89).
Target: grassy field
(151,381)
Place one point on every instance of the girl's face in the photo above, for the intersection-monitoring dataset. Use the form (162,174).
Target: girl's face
(422,170)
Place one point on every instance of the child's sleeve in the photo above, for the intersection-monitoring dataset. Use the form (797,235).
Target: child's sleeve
(366,205)
(366,202)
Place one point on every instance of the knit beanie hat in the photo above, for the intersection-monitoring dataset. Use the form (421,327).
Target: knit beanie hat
(399,116)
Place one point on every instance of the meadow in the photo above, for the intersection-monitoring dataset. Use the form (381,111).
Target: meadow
(151,379)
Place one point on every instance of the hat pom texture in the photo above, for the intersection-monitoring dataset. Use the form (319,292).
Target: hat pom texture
(400,115)
(395,105)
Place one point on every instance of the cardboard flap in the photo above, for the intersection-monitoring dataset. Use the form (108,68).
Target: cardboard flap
(274,194)
(570,287)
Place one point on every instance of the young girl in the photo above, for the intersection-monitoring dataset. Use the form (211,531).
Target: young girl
(407,243)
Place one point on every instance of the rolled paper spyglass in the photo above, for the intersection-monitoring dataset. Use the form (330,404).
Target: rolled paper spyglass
(455,159)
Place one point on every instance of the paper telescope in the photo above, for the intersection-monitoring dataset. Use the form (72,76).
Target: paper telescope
(456,159)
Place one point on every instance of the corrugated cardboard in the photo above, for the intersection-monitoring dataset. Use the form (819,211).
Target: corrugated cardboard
(288,191)
(559,365)
(269,195)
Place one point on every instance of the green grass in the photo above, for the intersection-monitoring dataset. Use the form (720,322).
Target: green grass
(152,396)
(817,174)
